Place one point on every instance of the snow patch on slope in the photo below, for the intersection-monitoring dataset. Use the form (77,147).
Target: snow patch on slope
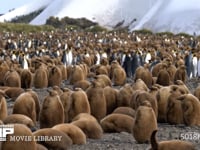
(157,15)
(152,12)
(173,15)
(25,9)
(51,10)
(105,12)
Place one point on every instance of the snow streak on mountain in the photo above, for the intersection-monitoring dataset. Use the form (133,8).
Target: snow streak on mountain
(173,15)
(157,15)
(25,9)
(105,12)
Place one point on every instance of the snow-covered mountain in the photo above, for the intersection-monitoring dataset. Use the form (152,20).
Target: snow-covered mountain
(105,12)
(173,15)
(157,15)
(25,9)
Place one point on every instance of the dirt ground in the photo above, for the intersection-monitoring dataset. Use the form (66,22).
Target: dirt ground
(126,141)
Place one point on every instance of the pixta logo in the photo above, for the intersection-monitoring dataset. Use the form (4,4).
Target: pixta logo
(5,130)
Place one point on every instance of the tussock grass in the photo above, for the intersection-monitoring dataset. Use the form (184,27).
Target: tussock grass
(22,27)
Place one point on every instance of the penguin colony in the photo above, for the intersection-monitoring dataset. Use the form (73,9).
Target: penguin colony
(96,83)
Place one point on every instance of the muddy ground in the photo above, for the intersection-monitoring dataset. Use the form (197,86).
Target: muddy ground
(125,141)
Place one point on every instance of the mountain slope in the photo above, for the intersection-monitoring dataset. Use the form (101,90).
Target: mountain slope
(157,15)
(105,12)
(174,16)
(25,9)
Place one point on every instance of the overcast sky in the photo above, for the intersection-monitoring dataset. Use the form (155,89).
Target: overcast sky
(6,5)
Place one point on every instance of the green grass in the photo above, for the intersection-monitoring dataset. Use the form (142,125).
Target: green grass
(96,28)
(143,31)
(183,34)
(22,27)
(165,33)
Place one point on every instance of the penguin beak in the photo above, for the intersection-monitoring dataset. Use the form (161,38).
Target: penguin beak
(33,129)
